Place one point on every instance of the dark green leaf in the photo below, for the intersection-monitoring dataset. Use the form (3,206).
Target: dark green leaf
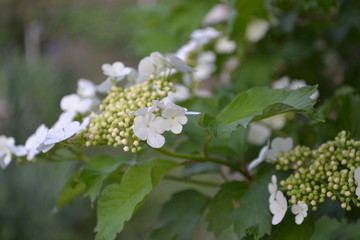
(179,216)
(118,202)
(243,206)
(288,229)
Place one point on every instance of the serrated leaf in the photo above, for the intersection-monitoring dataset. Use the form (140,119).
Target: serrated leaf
(179,216)
(222,209)
(89,179)
(243,206)
(254,216)
(118,202)
(259,103)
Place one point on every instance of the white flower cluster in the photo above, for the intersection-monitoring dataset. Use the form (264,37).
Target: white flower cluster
(278,205)
(278,145)
(149,126)
(77,105)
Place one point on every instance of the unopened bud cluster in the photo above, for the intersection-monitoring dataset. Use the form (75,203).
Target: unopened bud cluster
(113,126)
(327,172)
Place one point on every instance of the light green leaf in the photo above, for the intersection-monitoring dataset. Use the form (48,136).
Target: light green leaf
(179,216)
(89,179)
(118,202)
(259,103)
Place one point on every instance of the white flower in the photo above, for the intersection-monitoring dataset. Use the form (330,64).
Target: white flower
(181,93)
(259,159)
(203,36)
(300,210)
(256,30)
(184,52)
(149,127)
(116,70)
(86,88)
(34,141)
(258,133)
(357,179)
(173,105)
(205,65)
(279,145)
(73,103)
(282,83)
(278,207)
(276,122)
(55,135)
(6,144)
(272,187)
(153,64)
(178,64)
(174,119)
(64,118)
(219,13)
(224,45)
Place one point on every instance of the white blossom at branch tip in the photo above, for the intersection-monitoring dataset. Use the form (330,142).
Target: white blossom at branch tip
(74,103)
(300,210)
(35,140)
(86,88)
(224,45)
(272,188)
(115,70)
(278,207)
(357,180)
(6,145)
(205,35)
(256,30)
(149,127)
(259,159)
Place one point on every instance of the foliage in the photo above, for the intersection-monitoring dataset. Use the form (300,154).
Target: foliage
(253,109)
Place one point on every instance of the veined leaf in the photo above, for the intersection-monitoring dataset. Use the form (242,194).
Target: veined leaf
(119,202)
(259,103)
(89,179)
(179,216)
(243,206)
(288,229)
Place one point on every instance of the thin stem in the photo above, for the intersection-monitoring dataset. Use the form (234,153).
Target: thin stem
(194,159)
(198,182)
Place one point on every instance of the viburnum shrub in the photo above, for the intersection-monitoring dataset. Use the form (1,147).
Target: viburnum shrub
(282,163)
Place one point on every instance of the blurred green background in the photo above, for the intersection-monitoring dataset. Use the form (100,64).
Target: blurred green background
(47,45)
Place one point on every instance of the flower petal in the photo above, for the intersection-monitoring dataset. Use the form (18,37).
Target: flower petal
(155,140)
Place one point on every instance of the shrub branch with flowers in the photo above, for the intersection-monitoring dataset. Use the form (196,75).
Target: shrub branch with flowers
(282,163)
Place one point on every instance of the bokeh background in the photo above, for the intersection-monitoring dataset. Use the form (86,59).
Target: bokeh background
(47,45)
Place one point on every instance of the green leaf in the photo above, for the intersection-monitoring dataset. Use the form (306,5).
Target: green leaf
(222,209)
(89,179)
(118,202)
(179,216)
(259,103)
(243,206)
(253,215)
(288,229)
